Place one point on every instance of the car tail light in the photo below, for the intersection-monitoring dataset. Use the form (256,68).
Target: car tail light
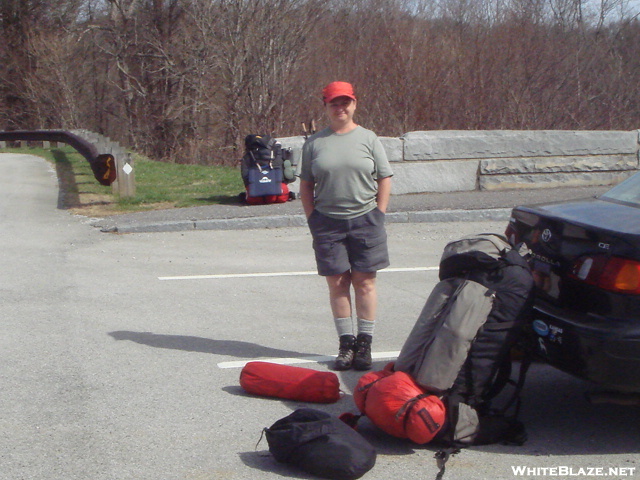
(512,232)
(615,274)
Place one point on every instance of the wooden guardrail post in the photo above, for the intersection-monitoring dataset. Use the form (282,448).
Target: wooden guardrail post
(125,185)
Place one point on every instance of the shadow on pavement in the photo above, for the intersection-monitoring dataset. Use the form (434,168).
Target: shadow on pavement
(558,418)
(186,343)
(68,193)
(263,461)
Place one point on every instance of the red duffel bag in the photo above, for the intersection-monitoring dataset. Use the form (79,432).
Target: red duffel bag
(289,382)
(396,404)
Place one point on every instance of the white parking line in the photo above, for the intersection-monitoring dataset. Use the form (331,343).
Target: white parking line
(286,274)
(293,361)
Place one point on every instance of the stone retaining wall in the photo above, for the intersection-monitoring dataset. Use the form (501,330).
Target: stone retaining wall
(462,160)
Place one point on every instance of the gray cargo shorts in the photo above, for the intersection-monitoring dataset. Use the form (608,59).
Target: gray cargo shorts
(358,244)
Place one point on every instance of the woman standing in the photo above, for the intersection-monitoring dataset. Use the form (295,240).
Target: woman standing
(345,184)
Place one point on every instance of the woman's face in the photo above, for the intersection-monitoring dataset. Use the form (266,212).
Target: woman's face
(340,110)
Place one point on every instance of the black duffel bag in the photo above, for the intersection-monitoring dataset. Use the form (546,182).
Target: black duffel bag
(320,444)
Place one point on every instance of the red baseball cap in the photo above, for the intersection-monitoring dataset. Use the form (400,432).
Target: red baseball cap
(337,89)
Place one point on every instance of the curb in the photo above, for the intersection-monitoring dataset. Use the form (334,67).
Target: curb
(298,220)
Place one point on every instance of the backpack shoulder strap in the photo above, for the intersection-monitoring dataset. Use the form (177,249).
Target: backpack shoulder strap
(442,456)
(515,398)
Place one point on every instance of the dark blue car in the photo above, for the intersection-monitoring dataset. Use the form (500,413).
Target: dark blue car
(586,264)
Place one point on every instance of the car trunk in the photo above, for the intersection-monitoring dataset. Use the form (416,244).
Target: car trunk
(569,254)
(586,265)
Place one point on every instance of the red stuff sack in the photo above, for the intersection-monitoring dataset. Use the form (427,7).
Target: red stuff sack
(292,383)
(396,404)
(366,382)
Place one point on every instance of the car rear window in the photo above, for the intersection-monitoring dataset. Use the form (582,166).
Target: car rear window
(627,192)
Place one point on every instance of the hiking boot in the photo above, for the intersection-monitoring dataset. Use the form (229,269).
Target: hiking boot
(347,351)
(363,352)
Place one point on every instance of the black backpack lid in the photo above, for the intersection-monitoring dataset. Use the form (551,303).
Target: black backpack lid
(253,141)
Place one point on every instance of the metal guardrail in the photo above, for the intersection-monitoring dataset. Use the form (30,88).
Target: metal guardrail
(111,164)
(124,184)
(103,165)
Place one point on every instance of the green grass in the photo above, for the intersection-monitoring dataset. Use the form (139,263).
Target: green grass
(157,183)
(184,185)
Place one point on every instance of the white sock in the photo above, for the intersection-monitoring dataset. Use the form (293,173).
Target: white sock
(365,326)
(344,326)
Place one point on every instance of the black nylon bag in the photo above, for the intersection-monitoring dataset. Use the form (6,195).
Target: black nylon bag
(320,444)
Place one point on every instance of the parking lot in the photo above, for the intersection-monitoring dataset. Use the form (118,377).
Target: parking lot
(122,353)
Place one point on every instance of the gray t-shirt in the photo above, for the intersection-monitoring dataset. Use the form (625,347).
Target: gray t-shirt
(344,169)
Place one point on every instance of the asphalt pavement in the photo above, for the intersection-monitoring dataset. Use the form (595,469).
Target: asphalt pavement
(121,354)
(413,208)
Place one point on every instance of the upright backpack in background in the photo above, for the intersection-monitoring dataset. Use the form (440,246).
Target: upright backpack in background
(464,334)
(265,171)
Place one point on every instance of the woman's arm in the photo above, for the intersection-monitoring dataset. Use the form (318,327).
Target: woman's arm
(384,192)
(306,196)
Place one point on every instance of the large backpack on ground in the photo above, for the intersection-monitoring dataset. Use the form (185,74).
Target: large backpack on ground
(460,345)
(265,170)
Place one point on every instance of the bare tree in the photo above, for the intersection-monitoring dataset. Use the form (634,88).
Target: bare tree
(257,45)
(186,80)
